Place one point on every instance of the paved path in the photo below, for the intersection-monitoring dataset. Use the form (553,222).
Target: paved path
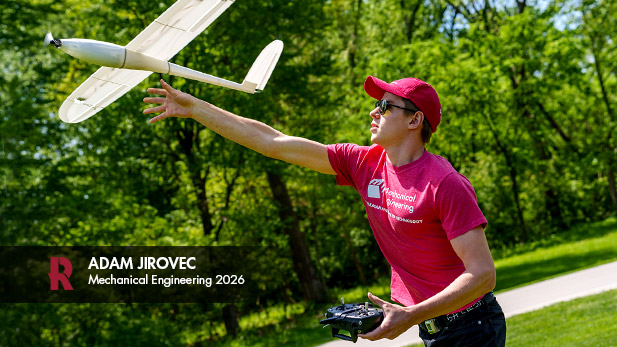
(525,299)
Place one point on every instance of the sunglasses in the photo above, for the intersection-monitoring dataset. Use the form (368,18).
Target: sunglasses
(384,104)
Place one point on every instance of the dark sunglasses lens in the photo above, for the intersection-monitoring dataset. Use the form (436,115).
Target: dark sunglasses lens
(383,106)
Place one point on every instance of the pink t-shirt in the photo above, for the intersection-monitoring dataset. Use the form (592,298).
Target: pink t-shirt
(414,211)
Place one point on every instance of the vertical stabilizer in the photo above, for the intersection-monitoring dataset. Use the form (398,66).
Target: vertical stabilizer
(262,68)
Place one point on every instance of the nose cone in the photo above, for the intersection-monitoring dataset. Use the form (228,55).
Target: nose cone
(49,40)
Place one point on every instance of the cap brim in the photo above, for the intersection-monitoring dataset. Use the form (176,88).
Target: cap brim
(376,88)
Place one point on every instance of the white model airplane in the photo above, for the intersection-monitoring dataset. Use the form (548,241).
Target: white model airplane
(125,67)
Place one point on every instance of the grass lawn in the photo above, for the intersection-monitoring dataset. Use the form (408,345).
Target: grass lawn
(589,321)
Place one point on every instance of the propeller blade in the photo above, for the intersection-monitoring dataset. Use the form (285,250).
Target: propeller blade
(49,40)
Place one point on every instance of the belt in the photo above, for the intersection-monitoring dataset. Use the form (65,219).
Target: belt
(435,325)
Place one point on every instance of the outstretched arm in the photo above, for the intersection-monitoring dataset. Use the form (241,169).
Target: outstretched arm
(247,132)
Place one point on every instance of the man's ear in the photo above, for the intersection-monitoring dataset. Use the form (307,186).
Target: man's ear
(415,121)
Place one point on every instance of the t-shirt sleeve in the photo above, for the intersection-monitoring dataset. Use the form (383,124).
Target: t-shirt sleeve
(457,206)
(345,159)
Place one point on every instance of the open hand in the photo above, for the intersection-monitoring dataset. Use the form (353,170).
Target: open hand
(174,103)
(397,319)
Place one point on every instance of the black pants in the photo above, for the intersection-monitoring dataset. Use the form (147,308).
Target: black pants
(484,326)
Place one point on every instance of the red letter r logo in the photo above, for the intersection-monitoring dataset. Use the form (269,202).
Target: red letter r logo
(55,276)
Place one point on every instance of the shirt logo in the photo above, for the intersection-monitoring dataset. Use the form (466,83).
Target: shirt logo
(374,188)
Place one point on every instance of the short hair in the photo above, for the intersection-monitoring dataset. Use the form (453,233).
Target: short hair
(427,129)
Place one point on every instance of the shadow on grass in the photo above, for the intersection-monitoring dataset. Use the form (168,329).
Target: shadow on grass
(510,276)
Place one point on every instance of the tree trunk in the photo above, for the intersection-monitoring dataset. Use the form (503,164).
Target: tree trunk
(230,316)
(409,17)
(598,68)
(551,197)
(352,49)
(515,193)
(610,173)
(199,183)
(352,251)
(188,137)
(611,184)
(312,288)
(513,179)
(554,209)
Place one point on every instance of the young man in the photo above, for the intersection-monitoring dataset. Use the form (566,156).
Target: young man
(424,214)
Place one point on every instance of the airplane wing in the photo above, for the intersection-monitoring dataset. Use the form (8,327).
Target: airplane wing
(162,39)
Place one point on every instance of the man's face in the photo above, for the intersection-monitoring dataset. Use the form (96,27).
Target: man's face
(391,127)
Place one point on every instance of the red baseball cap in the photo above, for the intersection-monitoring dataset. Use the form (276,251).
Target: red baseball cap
(417,91)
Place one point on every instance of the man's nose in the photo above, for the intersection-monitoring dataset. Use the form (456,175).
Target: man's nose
(375,113)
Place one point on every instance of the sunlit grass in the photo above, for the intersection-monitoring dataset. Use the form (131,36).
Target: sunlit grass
(589,321)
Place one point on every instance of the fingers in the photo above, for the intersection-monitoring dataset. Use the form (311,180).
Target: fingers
(158,118)
(377,301)
(156,109)
(166,91)
(379,331)
(158,91)
(167,87)
(156,100)
(373,335)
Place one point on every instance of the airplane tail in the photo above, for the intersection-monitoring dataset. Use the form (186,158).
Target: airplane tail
(262,68)
(255,80)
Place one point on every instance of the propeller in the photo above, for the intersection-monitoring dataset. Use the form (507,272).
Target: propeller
(49,40)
